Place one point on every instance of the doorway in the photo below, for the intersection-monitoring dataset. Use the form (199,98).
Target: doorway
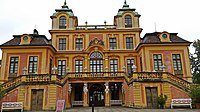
(151,96)
(96,95)
(37,99)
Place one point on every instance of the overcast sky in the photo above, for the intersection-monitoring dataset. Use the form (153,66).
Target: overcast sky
(175,16)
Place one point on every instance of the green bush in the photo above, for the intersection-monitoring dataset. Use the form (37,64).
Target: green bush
(162,99)
(195,94)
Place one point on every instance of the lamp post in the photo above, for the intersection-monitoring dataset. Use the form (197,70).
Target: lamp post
(24,70)
(67,69)
(106,69)
(85,69)
(54,69)
(124,68)
(133,68)
(163,68)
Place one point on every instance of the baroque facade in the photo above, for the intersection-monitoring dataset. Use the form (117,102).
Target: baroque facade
(104,65)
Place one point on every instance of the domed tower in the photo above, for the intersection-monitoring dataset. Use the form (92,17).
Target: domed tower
(64,19)
(126,18)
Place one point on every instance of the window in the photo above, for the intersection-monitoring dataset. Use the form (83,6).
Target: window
(61,67)
(13,65)
(130,63)
(79,44)
(177,62)
(50,66)
(129,43)
(96,62)
(141,64)
(62,43)
(157,62)
(79,66)
(33,60)
(113,65)
(62,22)
(128,21)
(113,44)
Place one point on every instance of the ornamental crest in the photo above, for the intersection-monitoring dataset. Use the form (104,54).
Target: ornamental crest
(96,42)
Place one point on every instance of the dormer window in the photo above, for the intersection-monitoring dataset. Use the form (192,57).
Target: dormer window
(25,39)
(62,22)
(164,37)
(128,21)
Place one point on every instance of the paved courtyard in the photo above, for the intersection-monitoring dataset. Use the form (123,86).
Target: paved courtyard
(124,109)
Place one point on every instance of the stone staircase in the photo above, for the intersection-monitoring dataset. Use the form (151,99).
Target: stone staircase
(159,77)
(61,81)
(35,79)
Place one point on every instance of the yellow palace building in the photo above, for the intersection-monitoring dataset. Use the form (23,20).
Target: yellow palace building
(105,64)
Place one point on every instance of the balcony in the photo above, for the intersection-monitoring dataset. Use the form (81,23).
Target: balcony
(95,27)
(74,75)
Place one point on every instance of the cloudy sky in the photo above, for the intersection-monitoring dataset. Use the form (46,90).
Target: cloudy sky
(176,16)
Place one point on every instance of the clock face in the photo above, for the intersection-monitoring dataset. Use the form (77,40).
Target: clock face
(25,38)
(164,35)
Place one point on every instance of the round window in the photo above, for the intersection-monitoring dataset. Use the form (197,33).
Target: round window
(164,35)
(25,38)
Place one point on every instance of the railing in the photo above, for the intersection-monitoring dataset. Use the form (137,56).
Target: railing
(31,78)
(179,81)
(61,80)
(91,27)
(95,75)
(52,78)
(38,77)
(149,75)
(77,103)
(159,76)
(14,81)
(116,102)
(145,76)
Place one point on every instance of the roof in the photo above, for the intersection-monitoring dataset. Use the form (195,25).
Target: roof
(126,8)
(36,40)
(154,38)
(65,9)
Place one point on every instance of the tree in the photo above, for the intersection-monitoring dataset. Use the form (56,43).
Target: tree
(195,61)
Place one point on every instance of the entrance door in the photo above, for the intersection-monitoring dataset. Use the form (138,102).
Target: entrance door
(37,99)
(97,95)
(151,96)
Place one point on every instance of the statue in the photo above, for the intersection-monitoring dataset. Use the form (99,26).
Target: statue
(85,90)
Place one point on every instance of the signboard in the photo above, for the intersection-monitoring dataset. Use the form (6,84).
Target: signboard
(60,105)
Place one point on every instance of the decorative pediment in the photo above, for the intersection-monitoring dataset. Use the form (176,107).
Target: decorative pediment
(95,41)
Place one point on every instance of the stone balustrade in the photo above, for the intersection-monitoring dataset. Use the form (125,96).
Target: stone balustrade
(95,75)
(61,80)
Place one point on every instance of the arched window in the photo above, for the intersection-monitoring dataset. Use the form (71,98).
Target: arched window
(128,21)
(62,22)
(96,62)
